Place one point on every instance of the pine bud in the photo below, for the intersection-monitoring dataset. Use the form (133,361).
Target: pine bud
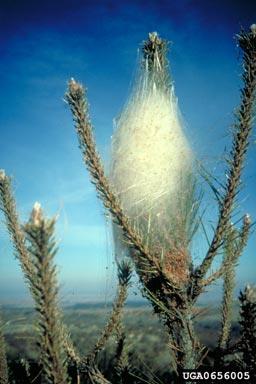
(36,214)
(2,175)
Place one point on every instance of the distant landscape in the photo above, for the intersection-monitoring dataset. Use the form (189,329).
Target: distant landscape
(146,340)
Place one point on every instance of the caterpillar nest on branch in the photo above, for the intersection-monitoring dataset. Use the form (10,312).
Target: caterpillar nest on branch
(151,165)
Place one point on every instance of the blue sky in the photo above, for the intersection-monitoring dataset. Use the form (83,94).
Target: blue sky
(43,44)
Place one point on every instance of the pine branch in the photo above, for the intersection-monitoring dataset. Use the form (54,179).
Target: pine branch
(42,249)
(3,360)
(70,349)
(73,356)
(147,265)
(241,242)
(243,128)
(124,276)
(8,206)
(122,365)
(79,107)
(230,259)
(154,52)
(96,377)
(234,244)
(247,344)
